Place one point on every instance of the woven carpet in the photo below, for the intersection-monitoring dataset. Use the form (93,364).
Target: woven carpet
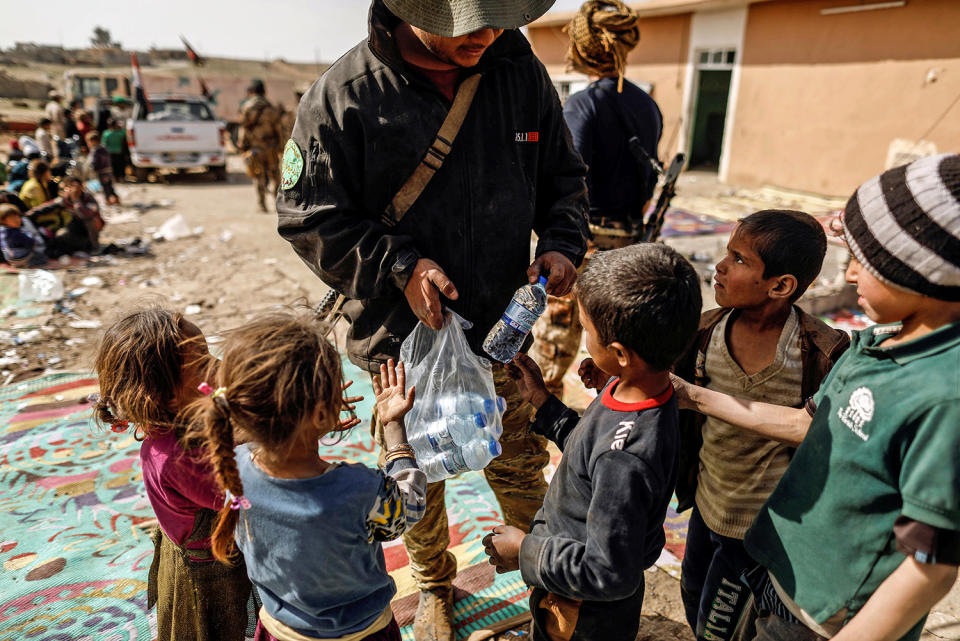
(678,222)
(74,552)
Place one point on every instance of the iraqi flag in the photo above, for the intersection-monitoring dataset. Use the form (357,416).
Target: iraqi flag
(193,55)
(139,95)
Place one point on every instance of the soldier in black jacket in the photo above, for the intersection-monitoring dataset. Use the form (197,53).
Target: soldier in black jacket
(361,130)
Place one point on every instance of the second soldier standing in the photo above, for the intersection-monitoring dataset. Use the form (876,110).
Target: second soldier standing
(261,138)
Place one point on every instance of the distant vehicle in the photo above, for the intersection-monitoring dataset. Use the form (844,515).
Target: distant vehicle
(90,86)
(177,132)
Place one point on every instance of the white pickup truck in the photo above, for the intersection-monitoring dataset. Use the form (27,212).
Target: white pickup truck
(177,132)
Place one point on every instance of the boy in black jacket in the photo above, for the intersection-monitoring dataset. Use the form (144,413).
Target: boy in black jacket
(601,524)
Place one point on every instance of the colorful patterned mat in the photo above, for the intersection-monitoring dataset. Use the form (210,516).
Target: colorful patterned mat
(679,222)
(74,552)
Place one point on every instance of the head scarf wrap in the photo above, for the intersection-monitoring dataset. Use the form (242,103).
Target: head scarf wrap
(602,33)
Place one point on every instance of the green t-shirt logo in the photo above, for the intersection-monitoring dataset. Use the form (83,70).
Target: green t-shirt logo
(858,412)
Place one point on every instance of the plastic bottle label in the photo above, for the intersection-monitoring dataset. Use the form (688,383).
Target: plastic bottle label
(519,317)
(439,439)
(453,462)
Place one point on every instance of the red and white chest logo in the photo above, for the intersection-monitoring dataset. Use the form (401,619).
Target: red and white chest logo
(526,136)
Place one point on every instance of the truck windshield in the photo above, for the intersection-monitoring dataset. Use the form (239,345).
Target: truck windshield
(176,110)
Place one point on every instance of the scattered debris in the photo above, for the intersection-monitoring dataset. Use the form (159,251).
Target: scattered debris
(39,285)
(92,281)
(176,228)
(30,336)
(85,324)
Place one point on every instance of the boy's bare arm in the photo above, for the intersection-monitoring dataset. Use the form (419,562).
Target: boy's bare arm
(900,601)
(784,424)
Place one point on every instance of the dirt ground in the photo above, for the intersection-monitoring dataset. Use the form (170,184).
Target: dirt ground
(236,266)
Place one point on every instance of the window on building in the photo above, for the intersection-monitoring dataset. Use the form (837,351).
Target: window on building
(90,86)
(716,58)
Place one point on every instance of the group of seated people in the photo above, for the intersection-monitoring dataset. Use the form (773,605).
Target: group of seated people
(48,219)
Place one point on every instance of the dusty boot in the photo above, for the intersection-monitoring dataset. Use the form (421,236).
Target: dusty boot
(434,620)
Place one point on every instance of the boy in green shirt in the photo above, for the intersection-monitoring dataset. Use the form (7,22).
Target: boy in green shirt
(115,140)
(862,535)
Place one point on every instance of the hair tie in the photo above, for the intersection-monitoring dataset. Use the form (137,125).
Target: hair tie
(237,502)
(119,426)
(218,395)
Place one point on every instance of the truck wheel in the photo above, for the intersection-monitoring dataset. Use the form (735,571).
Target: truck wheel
(219,173)
(141,174)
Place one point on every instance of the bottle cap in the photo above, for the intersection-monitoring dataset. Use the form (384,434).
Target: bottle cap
(479,419)
(542,280)
(495,448)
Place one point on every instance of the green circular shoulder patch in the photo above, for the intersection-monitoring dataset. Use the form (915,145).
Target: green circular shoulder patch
(292,165)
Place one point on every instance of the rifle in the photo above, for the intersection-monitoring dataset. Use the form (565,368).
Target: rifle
(330,309)
(650,229)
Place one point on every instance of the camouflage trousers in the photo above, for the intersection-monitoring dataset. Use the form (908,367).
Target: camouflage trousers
(516,478)
(263,166)
(557,332)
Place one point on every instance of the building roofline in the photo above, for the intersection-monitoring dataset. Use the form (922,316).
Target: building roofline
(650,9)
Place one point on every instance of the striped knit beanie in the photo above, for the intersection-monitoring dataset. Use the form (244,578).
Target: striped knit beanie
(904,226)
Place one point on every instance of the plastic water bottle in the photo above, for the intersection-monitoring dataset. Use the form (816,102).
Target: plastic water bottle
(443,465)
(433,439)
(469,413)
(507,336)
(477,454)
(470,403)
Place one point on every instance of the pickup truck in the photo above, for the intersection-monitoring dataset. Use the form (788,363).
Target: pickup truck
(176,132)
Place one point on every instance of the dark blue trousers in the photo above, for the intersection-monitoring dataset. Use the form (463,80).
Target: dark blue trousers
(717,603)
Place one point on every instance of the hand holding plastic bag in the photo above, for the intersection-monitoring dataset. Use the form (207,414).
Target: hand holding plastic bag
(455,423)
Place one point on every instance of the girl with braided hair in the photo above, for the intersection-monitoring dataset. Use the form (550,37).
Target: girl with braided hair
(149,364)
(309,529)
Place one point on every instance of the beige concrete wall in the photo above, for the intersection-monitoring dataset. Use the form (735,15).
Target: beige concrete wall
(660,59)
(821,97)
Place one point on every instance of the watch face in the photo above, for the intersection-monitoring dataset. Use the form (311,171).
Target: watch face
(404,261)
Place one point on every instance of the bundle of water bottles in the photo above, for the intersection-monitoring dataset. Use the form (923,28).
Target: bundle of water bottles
(455,423)
(459,432)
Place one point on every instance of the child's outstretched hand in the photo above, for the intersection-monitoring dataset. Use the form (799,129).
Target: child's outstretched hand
(682,389)
(349,405)
(392,403)
(529,379)
(592,376)
(503,547)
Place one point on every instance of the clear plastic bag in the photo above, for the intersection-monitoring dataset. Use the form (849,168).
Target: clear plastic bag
(455,423)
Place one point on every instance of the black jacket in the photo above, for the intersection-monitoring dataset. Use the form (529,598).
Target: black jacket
(363,128)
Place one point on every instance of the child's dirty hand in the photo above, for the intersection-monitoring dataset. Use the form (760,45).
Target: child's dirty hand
(349,405)
(392,403)
(592,376)
(529,379)
(503,547)
(682,390)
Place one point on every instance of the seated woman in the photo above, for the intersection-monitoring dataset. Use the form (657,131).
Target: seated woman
(82,231)
(40,187)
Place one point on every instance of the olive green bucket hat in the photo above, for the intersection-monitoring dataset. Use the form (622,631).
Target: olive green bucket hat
(452,18)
